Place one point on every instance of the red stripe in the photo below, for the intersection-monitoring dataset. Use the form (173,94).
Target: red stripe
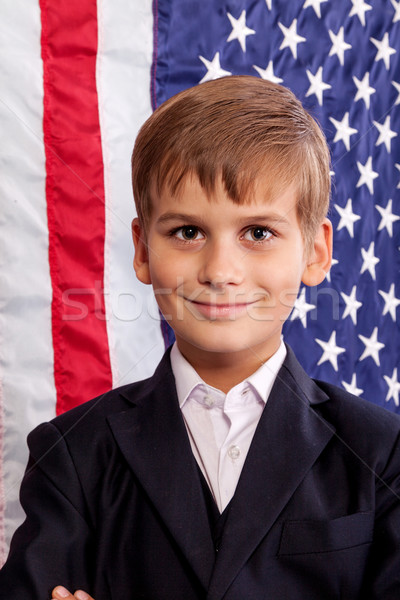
(75,200)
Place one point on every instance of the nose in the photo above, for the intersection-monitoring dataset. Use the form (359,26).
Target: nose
(222,265)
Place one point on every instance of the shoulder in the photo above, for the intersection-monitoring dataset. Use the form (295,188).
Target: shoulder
(80,446)
(337,402)
(89,420)
(367,428)
(364,432)
(357,412)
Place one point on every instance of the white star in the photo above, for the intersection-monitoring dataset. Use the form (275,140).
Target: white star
(239,30)
(385,133)
(394,387)
(352,387)
(397,86)
(364,90)
(367,175)
(301,308)
(330,351)
(388,218)
(291,38)
(268,73)
(372,346)
(360,8)
(369,260)
(316,4)
(384,50)
(396,6)
(398,167)
(213,67)
(352,305)
(269,4)
(391,302)
(339,46)
(347,217)
(317,86)
(333,263)
(343,130)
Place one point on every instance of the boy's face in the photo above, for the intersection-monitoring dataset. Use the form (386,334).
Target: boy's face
(226,276)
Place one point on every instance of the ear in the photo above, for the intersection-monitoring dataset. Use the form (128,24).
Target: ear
(141,259)
(320,256)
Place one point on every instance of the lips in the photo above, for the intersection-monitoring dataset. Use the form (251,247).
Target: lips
(219,311)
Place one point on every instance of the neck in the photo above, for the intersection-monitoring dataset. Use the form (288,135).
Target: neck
(224,370)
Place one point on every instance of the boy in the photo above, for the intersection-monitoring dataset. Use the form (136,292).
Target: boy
(229,474)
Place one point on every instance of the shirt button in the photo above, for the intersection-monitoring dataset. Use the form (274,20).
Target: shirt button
(208,401)
(234,452)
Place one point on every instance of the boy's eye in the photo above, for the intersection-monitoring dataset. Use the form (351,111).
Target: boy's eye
(258,234)
(188,233)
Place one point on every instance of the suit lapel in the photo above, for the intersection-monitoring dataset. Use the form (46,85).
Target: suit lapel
(153,439)
(289,438)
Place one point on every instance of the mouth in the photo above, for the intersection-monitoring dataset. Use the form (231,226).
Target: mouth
(218,311)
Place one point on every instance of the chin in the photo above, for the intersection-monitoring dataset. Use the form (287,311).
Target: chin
(220,345)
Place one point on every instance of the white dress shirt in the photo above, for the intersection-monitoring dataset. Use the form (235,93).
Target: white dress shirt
(221,426)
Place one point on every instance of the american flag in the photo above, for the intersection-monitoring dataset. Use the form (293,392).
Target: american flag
(342,59)
(77,79)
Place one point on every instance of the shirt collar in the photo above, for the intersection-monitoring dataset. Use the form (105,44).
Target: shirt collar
(187,378)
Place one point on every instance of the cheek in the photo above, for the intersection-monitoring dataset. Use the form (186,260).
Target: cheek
(282,274)
(166,279)
(172,270)
(161,271)
(282,285)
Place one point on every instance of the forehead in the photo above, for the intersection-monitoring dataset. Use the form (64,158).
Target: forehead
(192,199)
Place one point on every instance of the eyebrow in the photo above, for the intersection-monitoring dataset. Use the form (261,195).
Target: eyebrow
(251,219)
(173,216)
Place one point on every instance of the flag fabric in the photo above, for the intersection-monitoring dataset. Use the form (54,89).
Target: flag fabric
(78,78)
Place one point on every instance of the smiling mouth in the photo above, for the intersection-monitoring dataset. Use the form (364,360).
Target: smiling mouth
(220,310)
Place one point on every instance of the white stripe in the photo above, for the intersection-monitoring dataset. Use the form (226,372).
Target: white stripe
(123,80)
(26,355)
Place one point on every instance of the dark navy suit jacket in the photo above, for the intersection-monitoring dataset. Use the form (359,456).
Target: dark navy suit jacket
(115,505)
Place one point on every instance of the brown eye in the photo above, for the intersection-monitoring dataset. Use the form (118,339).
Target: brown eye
(258,234)
(188,233)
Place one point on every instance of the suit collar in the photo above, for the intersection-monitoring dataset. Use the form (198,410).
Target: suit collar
(152,436)
(308,389)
